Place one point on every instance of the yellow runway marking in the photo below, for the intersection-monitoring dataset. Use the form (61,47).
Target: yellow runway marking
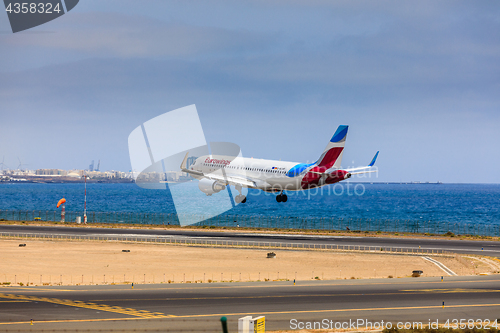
(37,289)
(252,313)
(338,310)
(458,290)
(401,292)
(212,286)
(88,305)
(70,321)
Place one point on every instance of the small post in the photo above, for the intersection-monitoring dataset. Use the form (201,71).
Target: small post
(31,322)
(294,282)
(85,201)
(223,321)
(132,285)
(63,213)
(442,278)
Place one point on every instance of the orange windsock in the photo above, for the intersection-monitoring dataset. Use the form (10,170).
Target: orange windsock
(61,202)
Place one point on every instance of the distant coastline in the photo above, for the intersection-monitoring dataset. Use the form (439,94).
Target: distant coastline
(90,176)
(62,180)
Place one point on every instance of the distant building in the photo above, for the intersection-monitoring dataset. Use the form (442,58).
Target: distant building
(74,174)
(50,172)
(190,161)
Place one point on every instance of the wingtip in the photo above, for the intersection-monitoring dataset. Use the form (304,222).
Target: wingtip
(374,159)
(184,162)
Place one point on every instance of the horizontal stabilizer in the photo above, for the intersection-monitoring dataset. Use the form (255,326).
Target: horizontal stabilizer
(372,163)
(361,172)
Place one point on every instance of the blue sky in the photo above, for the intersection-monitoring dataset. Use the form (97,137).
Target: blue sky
(419,81)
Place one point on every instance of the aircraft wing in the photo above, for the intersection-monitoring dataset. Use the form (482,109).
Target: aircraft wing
(232,180)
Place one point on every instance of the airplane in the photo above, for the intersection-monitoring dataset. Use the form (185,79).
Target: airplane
(215,172)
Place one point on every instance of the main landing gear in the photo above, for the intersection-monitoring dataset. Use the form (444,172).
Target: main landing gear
(240,198)
(281,197)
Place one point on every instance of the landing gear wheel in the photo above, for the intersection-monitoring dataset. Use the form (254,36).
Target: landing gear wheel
(240,199)
(281,197)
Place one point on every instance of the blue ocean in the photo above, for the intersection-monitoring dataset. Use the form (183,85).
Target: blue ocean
(471,204)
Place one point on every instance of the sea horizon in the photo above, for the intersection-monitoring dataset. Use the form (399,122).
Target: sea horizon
(444,202)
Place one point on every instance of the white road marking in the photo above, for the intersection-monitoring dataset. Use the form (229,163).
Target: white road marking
(440,265)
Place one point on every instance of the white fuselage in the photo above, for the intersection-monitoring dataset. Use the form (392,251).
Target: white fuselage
(268,175)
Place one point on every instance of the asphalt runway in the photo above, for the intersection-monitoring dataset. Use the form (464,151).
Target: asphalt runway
(487,248)
(199,307)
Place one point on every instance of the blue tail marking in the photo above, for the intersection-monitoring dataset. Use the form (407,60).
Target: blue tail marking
(340,133)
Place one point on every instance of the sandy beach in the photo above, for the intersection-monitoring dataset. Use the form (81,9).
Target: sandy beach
(73,263)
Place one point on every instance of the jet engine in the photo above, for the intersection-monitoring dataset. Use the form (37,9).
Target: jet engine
(210,187)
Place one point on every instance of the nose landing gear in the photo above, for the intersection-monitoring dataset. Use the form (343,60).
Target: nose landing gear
(240,198)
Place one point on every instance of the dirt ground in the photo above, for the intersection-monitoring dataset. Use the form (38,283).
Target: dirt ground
(90,262)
